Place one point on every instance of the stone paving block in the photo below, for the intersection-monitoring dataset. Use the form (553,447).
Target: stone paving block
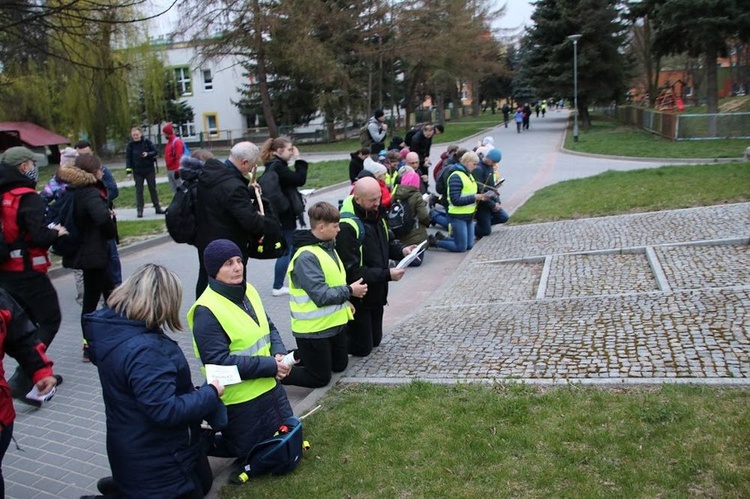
(705,266)
(490,282)
(600,274)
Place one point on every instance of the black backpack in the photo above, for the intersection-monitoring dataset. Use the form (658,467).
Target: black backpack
(400,219)
(63,211)
(181,213)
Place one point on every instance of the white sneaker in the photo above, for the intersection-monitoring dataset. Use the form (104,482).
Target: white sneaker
(280,292)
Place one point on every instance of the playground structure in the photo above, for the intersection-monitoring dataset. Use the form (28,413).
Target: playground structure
(670,97)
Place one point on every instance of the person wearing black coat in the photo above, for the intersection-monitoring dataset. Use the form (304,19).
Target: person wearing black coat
(421,143)
(96,227)
(357,162)
(225,204)
(276,155)
(140,161)
(367,256)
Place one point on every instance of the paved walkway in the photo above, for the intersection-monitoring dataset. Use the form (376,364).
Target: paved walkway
(638,298)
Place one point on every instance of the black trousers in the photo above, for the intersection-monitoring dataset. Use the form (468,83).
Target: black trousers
(320,357)
(96,284)
(5,437)
(150,179)
(365,331)
(36,294)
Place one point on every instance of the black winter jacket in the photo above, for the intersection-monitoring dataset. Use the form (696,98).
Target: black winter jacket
(225,209)
(288,179)
(378,247)
(356,165)
(134,159)
(92,217)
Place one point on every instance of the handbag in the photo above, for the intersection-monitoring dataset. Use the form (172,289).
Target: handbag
(271,244)
(277,455)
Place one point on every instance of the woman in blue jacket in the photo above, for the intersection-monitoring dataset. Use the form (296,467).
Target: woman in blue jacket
(154,411)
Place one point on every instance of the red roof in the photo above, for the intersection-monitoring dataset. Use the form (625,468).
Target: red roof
(31,134)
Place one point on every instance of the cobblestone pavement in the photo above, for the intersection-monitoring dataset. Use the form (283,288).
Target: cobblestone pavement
(653,297)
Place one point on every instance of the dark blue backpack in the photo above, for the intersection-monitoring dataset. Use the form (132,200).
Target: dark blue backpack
(278,455)
(62,210)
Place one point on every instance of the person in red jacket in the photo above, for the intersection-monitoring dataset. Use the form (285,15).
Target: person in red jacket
(172,154)
(18,339)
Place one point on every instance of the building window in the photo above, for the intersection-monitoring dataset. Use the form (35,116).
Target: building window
(186,129)
(183,81)
(208,80)
(211,122)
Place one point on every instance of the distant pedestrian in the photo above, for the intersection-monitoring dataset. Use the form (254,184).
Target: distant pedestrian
(140,162)
(506,114)
(172,153)
(526,116)
(537,109)
(544,108)
(518,118)
(376,129)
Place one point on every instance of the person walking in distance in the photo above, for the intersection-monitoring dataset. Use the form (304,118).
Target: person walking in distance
(140,162)
(172,153)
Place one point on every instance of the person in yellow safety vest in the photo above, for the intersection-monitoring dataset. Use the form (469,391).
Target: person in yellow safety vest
(462,203)
(319,300)
(231,328)
(365,246)
(24,273)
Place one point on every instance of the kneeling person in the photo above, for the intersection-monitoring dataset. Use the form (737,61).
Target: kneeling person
(319,300)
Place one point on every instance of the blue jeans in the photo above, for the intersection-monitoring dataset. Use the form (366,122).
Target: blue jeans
(282,263)
(486,218)
(439,218)
(462,235)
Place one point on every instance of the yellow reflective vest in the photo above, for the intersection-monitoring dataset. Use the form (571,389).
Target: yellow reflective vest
(468,188)
(308,317)
(246,336)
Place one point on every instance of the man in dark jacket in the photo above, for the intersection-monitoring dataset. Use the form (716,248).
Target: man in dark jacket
(24,274)
(421,143)
(357,162)
(18,339)
(140,161)
(366,255)
(225,209)
(489,212)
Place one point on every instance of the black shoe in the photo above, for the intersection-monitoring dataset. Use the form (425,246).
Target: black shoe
(59,379)
(139,215)
(439,236)
(85,357)
(431,242)
(31,402)
(159,211)
(106,485)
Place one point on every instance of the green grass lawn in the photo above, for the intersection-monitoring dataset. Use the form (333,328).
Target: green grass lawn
(613,193)
(424,440)
(607,136)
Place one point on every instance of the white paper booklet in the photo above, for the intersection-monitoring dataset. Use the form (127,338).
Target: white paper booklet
(227,375)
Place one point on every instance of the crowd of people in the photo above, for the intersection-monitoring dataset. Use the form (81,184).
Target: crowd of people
(337,272)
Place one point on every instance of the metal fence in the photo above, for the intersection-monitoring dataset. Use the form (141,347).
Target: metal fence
(676,126)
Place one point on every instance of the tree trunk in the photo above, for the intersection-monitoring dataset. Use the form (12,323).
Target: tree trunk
(265,96)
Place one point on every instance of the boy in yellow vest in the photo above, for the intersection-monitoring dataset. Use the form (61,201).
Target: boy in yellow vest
(319,300)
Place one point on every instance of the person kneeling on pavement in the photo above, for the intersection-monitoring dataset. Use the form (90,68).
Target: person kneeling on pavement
(230,328)
(319,300)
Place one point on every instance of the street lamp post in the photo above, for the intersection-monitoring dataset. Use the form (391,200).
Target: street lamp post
(574,39)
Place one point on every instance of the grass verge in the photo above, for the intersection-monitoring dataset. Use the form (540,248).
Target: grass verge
(613,193)
(609,137)
(424,440)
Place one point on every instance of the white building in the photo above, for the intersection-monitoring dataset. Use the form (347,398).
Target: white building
(210,87)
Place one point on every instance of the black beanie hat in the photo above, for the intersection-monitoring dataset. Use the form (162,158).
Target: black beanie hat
(379,113)
(218,252)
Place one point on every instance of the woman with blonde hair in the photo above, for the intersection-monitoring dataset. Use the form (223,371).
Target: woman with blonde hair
(154,411)
(276,154)
(462,203)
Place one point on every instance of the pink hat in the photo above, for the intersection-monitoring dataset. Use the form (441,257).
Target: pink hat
(403,152)
(411,179)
